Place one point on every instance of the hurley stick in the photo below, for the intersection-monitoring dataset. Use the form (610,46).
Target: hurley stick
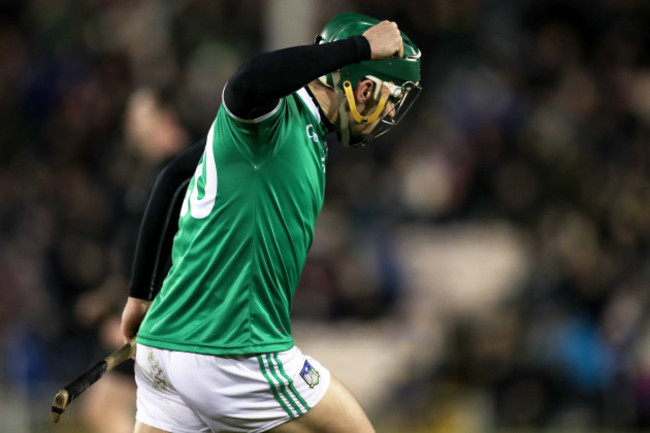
(88,377)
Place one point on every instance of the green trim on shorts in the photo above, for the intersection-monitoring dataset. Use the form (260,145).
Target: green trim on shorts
(290,381)
(281,387)
(274,389)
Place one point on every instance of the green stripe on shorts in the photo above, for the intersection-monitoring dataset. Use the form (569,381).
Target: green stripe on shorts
(274,389)
(283,385)
(290,381)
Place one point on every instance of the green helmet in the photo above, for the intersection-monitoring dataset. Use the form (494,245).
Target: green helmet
(400,75)
(398,71)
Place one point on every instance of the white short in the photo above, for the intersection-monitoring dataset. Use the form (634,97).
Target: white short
(183,392)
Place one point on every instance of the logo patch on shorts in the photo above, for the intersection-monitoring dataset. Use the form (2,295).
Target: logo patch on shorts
(309,374)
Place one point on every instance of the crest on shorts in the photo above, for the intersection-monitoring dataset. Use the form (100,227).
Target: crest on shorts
(309,374)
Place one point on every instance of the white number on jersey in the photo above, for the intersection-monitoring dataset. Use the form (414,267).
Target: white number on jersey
(201,208)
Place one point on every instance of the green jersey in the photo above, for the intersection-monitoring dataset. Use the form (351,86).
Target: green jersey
(245,228)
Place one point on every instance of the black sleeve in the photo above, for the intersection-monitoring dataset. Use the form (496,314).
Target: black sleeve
(259,83)
(160,223)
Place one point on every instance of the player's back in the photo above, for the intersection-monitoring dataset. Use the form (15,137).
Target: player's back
(244,231)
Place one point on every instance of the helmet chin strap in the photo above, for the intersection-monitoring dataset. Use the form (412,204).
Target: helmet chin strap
(346,100)
(344,119)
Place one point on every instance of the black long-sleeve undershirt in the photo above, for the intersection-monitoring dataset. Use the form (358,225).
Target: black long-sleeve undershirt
(258,84)
(252,91)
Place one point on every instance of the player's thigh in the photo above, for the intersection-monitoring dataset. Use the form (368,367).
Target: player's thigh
(338,412)
(144,428)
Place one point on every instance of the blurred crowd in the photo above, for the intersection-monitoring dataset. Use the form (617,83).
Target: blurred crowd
(501,231)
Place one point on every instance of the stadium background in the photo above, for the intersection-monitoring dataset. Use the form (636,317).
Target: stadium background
(482,268)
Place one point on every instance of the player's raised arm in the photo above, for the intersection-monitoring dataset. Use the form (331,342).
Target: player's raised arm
(258,84)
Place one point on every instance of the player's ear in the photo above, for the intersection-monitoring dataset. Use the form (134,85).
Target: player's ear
(364,90)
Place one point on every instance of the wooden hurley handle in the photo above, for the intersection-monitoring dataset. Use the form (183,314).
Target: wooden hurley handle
(88,377)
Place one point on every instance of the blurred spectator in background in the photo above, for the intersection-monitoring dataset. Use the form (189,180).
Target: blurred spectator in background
(153,136)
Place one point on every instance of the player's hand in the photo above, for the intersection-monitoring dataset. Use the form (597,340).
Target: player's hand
(132,316)
(385,40)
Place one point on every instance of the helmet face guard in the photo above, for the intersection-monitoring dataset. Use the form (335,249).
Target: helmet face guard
(402,99)
(396,79)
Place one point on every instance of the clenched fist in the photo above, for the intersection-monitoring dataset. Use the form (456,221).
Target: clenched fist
(385,40)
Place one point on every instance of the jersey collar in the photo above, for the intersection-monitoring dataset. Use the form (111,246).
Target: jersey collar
(308,98)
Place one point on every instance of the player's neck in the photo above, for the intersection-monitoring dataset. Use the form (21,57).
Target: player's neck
(326,98)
